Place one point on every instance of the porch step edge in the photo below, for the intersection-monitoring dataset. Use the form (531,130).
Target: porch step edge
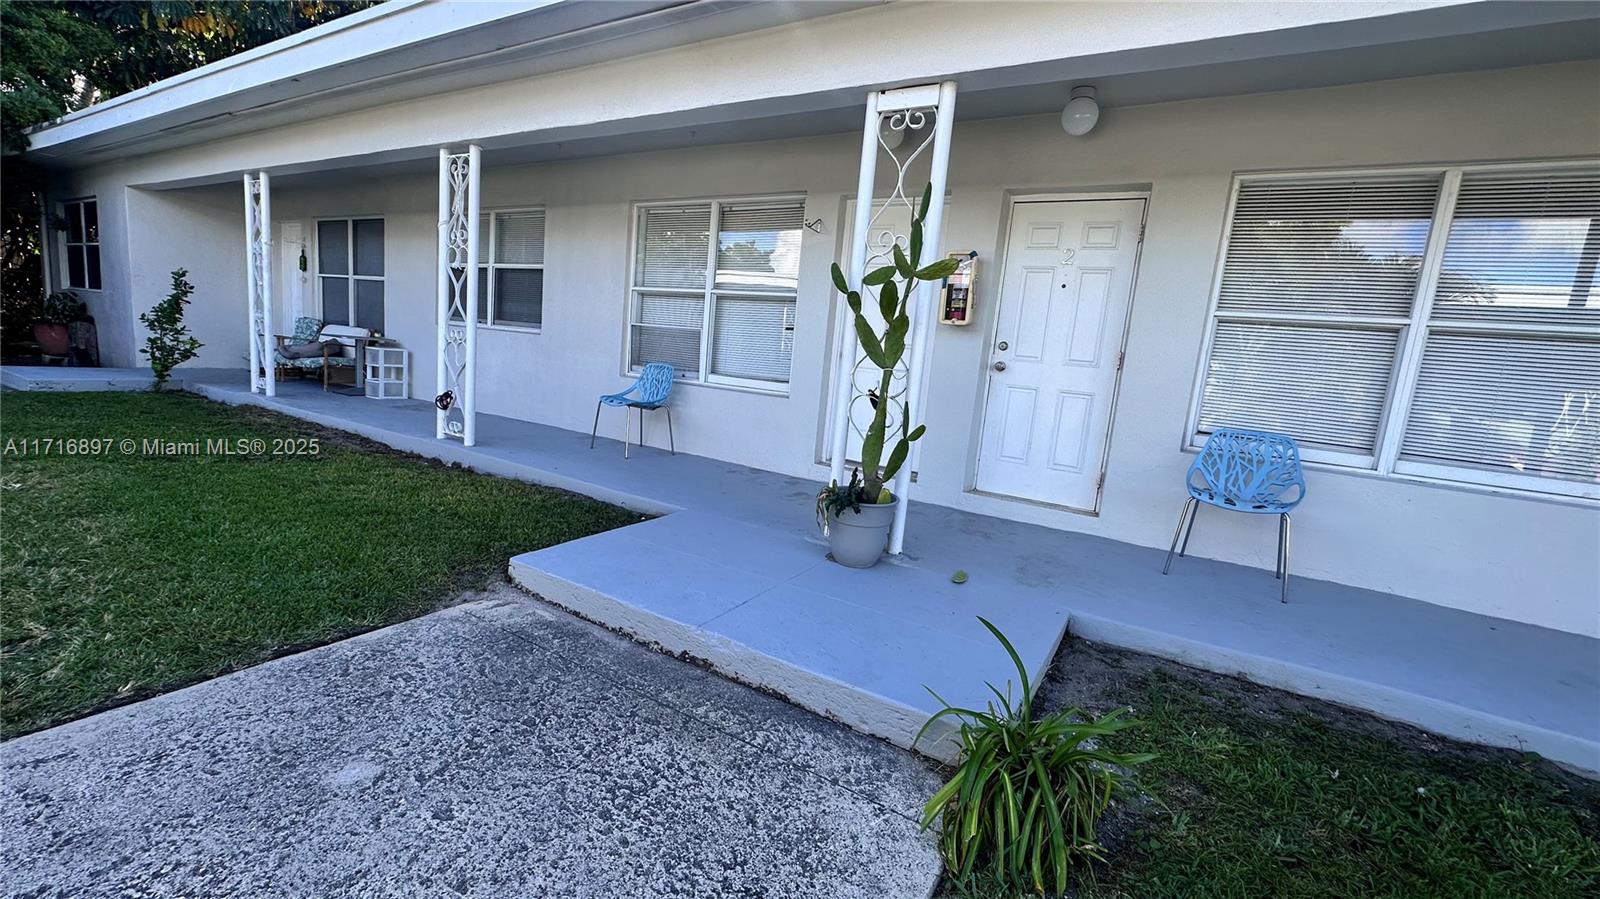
(1437,716)
(859,709)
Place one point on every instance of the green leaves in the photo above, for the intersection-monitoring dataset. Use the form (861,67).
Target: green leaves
(938,271)
(1026,795)
(869,342)
(878,276)
(902,264)
(888,301)
(838,279)
(927,196)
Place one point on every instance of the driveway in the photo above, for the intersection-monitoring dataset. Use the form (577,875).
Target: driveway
(497,748)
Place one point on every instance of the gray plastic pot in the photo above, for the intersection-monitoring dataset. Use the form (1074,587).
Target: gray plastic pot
(858,539)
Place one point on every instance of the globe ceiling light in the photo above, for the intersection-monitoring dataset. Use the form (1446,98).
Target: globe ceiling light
(1081,112)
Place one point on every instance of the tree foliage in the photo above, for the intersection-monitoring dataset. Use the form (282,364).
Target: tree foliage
(170,344)
(58,56)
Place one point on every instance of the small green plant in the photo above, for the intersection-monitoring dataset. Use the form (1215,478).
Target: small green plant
(62,308)
(1023,804)
(867,484)
(170,344)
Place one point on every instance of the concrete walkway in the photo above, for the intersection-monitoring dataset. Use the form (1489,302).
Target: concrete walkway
(734,575)
(496,749)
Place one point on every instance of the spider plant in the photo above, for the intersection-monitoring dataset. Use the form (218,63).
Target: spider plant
(1027,794)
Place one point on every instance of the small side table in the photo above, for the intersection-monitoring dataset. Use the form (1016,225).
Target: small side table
(388,371)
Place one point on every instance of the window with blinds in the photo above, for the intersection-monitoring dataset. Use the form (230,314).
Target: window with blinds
(1509,381)
(722,311)
(511,278)
(1441,323)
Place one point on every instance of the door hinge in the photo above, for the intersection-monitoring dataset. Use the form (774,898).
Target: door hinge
(1100,482)
(1121,358)
(1141,233)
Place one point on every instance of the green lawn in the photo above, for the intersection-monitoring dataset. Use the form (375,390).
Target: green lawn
(123,576)
(1259,793)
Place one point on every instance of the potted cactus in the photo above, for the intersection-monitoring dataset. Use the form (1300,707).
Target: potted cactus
(857,516)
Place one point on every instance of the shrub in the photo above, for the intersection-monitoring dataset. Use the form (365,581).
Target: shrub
(62,308)
(1026,795)
(169,344)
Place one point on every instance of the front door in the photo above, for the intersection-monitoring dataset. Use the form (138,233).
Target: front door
(1064,297)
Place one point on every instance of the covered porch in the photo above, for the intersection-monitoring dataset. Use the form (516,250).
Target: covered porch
(732,573)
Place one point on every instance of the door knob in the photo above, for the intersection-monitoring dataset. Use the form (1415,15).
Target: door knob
(999,366)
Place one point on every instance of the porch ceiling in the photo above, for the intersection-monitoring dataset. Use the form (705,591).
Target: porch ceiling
(1154,75)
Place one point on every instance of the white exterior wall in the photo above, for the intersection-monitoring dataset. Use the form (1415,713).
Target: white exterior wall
(1519,557)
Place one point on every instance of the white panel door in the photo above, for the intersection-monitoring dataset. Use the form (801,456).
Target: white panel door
(1064,296)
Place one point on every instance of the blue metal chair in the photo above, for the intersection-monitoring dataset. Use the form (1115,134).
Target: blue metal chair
(1244,471)
(650,391)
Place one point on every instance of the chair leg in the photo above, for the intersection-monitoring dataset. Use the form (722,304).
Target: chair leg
(1277,570)
(596,429)
(1283,552)
(627,431)
(1183,514)
(672,443)
(1189,532)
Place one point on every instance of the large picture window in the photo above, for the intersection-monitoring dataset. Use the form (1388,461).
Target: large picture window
(1442,324)
(350,272)
(81,243)
(511,278)
(719,311)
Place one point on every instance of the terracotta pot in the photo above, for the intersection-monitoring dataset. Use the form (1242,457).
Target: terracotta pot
(858,539)
(52,339)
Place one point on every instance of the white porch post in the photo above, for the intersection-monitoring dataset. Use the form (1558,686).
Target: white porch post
(908,111)
(844,365)
(258,279)
(923,304)
(458,295)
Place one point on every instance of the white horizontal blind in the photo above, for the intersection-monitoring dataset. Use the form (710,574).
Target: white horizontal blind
(1324,386)
(1348,246)
(758,247)
(1318,280)
(667,329)
(519,237)
(753,337)
(673,243)
(1509,382)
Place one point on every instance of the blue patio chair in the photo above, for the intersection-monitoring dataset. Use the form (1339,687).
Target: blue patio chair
(1244,471)
(650,391)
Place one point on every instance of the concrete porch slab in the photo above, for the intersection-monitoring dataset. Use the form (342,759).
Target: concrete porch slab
(71,378)
(737,581)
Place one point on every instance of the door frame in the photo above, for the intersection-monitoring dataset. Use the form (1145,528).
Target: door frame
(992,326)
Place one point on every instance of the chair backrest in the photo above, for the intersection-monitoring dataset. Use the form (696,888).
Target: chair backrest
(655,382)
(1252,470)
(306,329)
(347,336)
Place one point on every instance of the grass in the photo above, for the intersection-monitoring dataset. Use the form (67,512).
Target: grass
(1259,793)
(122,576)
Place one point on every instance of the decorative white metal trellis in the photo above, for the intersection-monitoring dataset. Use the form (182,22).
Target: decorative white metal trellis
(458,295)
(892,117)
(258,278)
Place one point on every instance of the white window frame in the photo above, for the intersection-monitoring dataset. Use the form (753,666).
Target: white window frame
(1412,330)
(708,293)
(68,208)
(350,264)
(486,294)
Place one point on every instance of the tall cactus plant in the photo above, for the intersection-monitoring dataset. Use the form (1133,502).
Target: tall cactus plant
(895,283)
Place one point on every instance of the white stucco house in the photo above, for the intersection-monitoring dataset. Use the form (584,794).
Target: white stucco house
(1374,226)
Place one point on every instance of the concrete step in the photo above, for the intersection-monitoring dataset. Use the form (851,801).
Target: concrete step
(765,608)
